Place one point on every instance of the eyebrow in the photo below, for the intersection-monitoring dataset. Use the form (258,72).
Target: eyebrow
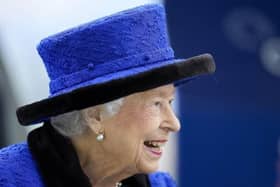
(164,94)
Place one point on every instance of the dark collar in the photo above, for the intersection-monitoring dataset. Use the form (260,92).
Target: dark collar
(59,163)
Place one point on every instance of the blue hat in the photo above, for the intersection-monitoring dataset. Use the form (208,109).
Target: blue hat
(109,58)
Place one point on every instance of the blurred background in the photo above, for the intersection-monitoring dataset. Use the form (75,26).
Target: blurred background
(230,134)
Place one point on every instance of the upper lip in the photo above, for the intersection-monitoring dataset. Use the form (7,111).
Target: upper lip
(159,140)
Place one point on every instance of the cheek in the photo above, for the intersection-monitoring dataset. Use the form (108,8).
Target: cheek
(150,123)
(150,119)
(141,122)
(127,134)
(122,146)
(125,138)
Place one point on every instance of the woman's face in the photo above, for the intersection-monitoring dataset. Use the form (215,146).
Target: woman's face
(136,135)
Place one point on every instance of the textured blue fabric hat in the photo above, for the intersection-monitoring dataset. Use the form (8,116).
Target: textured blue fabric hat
(109,58)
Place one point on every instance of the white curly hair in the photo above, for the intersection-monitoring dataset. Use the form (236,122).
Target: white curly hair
(73,123)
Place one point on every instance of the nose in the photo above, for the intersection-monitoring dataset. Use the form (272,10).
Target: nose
(170,120)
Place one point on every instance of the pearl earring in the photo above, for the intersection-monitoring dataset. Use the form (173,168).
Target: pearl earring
(100,136)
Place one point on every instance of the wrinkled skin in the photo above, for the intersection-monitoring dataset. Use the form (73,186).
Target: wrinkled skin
(143,116)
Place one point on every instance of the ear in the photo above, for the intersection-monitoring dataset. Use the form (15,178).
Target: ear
(92,117)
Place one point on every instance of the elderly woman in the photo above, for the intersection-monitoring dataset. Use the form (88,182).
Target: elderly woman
(109,114)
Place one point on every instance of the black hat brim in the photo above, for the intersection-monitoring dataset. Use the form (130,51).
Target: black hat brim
(104,92)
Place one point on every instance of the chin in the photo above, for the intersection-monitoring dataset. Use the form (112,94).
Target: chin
(148,166)
(149,160)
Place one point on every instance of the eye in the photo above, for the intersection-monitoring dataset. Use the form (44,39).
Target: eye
(157,103)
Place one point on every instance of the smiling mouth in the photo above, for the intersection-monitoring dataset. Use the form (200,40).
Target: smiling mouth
(155,147)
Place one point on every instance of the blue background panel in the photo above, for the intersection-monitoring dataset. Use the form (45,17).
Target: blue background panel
(230,121)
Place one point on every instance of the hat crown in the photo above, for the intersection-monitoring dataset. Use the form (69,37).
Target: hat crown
(124,34)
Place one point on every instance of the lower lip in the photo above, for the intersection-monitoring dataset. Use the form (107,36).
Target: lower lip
(156,154)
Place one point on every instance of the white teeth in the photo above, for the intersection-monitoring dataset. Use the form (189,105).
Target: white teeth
(155,144)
